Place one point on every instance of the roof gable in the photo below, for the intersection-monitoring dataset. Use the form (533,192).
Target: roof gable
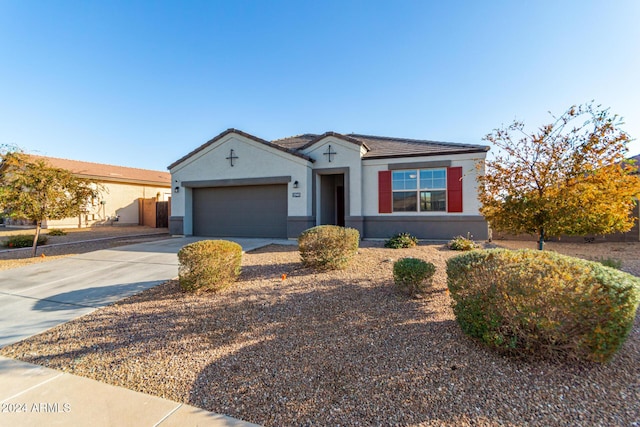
(241,133)
(346,138)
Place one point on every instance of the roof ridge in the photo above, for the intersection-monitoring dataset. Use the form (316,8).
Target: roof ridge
(311,135)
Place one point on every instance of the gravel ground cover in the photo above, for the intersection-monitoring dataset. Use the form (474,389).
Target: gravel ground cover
(334,348)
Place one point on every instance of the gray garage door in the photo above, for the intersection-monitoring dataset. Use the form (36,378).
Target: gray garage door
(247,211)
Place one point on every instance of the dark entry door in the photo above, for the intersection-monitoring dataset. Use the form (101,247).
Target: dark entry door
(332,199)
(340,206)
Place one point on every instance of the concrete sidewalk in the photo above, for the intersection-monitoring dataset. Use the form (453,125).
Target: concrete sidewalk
(31,395)
(37,297)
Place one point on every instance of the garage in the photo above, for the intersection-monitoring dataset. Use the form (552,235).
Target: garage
(240,211)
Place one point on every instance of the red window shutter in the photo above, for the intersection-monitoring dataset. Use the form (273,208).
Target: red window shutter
(454,189)
(384,192)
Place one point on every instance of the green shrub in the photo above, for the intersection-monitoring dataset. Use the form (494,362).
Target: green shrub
(542,303)
(56,232)
(209,265)
(328,247)
(460,243)
(23,241)
(611,262)
(413,276)
(401,240)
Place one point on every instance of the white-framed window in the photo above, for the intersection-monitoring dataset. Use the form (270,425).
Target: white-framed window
(419,190)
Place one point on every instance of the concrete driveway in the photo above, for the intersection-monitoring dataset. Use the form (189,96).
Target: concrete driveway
(39,296)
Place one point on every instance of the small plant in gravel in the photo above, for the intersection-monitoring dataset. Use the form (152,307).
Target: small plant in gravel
(413,276)
(23,241)
(401,240)
(460,243)
(541,303)
(56,232)
(610,262)
(209,265)
(328,247)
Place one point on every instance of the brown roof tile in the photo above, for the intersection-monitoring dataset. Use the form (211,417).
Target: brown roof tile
(110,173)
(386,147)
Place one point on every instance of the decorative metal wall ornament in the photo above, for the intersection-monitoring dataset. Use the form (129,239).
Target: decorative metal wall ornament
(232,157)
(330,153)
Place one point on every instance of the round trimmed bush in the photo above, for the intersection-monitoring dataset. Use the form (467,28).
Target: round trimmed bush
(541,303)
(209,265)
(328,247)
(413,276)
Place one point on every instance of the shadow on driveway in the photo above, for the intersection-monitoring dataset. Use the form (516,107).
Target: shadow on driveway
(92,297)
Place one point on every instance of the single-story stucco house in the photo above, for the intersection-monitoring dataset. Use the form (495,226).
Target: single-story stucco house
(239,185)
(119,204)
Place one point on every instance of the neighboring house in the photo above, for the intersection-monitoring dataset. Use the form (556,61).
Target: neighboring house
(634,234)
(119,203)
(240,185)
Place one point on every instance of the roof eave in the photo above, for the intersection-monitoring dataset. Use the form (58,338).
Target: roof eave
(124,180)
(398,156)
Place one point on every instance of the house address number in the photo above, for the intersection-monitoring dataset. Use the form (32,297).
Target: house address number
(296,194)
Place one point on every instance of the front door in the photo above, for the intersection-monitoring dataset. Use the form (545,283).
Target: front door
(332,200)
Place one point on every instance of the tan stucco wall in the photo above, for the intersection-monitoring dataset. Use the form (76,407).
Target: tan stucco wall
(120,199)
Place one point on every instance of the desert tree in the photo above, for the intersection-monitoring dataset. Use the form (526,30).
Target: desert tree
(569,177)
(33,190)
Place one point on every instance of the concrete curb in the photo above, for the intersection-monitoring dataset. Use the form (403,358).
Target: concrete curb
(53,245)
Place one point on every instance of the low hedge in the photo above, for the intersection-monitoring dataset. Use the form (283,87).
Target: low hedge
(23,241)
(209,265)
(328,247)
(541,303)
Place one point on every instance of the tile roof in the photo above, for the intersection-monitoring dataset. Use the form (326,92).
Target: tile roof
(110,173)
(385,147)
(376,146)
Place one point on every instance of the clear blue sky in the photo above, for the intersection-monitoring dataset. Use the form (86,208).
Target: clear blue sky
(141,83)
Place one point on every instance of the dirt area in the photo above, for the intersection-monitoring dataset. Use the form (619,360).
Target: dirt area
(336,348)
(76,241)
(627,252)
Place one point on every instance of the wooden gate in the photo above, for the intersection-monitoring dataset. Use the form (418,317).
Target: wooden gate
(162,214)
(152,213)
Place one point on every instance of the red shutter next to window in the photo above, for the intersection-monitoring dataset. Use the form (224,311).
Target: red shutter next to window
(384,192)
(454,189)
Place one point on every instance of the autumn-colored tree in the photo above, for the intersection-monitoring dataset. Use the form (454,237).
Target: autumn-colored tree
(568,177)
(31,189)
